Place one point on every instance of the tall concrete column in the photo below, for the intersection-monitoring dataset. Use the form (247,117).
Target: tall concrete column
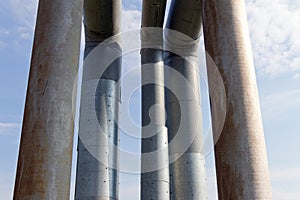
(98,156)
(183,102)
(154,158)
(240,151)
(45,155)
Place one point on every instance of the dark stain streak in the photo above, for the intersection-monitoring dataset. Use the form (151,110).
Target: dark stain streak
(46,85)
(157,14)
(185,20)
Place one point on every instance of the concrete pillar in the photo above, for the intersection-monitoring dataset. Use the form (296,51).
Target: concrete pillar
(98,156)
(45,156)
(154,158)
(240,151)
(183,102)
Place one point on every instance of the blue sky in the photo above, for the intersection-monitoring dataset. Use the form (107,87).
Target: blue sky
(274,29)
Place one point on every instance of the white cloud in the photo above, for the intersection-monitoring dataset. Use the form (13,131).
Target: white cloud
(9,129)
(2,44)
(274,29)
(131,20)
(3,32)
(283,183)
(24,17)
(6,185)
(24,11)
(278,105)
(286,174)
(297,76)
(129,186)
(279,194)
(24,32)
(130,190)
(132,4)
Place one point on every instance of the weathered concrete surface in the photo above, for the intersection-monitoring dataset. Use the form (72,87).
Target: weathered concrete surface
(98,155)
(154,168)
(97,165)
(183,105)
(241,159)
(44,164)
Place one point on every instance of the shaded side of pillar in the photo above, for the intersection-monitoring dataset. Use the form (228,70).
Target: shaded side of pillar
(240,151)
(45,155)
(98,156)
(183,102)
(154,157)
